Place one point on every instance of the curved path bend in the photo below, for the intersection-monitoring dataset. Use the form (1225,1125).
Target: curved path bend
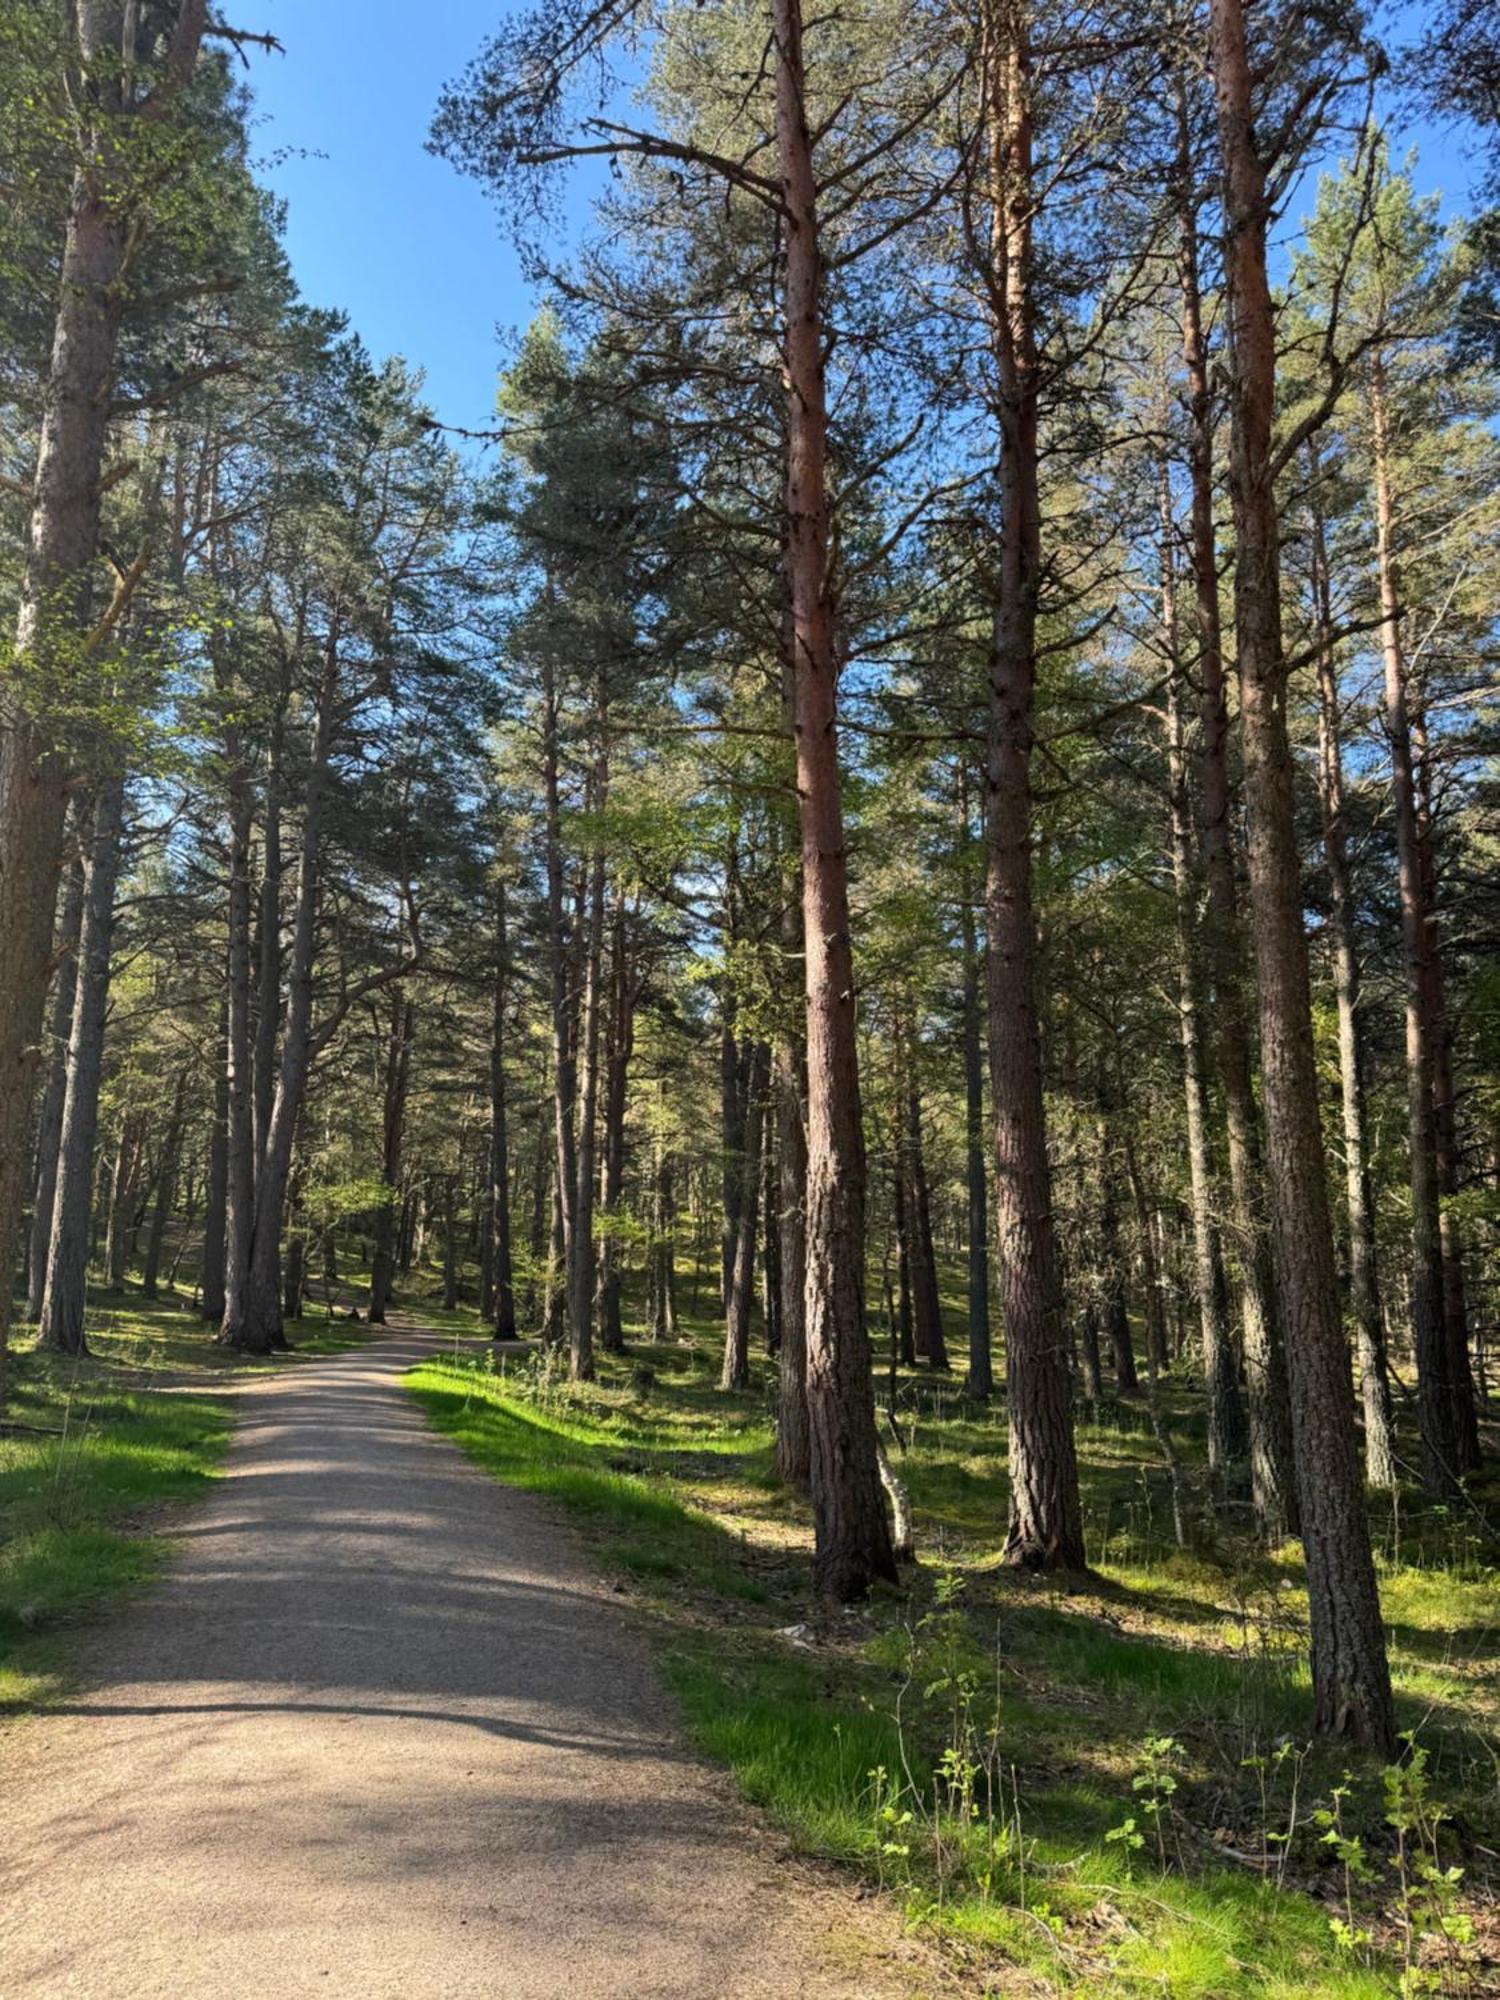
(379,1733)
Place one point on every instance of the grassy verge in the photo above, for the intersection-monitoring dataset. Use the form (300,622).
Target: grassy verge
(77,1498)
(1102,1789)
(90,1452)
(126,1331)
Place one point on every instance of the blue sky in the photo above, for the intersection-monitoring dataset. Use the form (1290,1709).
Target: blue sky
(408,248)
(413,252)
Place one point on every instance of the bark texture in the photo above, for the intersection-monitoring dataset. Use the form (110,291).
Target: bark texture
(65,1293)
(1046,1520)
(852,1537)
(50,1120)
(980,1381)
(52,624)
(1351,1679)
(1364,1280)
(736,1369)
(1271,1475)
(1228,1433)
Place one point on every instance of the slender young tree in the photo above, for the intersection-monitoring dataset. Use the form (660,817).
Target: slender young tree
(1364,1287)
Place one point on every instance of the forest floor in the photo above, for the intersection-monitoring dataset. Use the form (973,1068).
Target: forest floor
(379,1729)
(1106,1786)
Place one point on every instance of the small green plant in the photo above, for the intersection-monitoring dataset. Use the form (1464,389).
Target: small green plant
(1349,1851)
(893,1826)
(1154,1785)
(1271,1772)
(1427,1891)
(960,1827)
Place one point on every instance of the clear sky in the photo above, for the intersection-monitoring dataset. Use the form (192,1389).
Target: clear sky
(413,252)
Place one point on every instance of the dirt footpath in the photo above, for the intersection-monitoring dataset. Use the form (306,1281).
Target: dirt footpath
(379,1733)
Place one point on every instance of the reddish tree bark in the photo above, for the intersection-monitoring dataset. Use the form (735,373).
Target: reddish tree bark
(1046,1520)
(1271,1475)
(852,1536)
(1351,1678)
(53,617)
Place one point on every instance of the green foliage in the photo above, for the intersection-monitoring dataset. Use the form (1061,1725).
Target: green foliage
(73,1506)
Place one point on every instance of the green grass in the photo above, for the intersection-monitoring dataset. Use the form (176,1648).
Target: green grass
(1051,1692)
(128,1331)
(78,1508)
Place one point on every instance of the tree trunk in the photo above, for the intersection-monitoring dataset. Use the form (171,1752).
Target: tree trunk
(1046,1520)
(581,1252)
(1364,1284)
(793,1438)
(564,1064)
(121,1194)
(451,1284)
(1228,1436)
(393,1133)
(211,1268)
(743,1277)
(663,1224)
(852,1536)
(166,1191)
(252,1312)
(736,1370)
(1438,1402)
(536,1235)
(502,1301)
(927,1305)
(1157,1356)
(294,1272)
(1091,1360)
(732,1120)
(1271,1475)
(904,1324)
(49,1124)
(53,610)
(1351,1679)
(1444,1116)
(770,1210)
(621,1043)
(65,1292)
(268,948)
(238,1037)
(981,1380)
(1112,1258)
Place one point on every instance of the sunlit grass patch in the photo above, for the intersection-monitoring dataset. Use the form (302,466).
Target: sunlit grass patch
(1030,1856)
(566,1459)
(76,1495)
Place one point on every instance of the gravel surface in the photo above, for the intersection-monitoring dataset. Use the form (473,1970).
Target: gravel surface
(379,1732)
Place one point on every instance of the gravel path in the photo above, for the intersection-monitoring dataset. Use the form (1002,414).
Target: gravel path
(380,1733)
